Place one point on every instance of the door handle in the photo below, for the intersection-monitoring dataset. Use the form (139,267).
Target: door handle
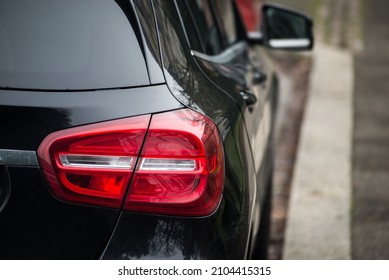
(259,78)
(248,97)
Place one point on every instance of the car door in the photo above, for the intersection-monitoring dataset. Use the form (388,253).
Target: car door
(256,85)
(221,50)
(230,63)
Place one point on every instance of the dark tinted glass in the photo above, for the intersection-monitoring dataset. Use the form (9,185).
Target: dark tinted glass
(206,26)
(69,44)
(226,16)
(283,24)
(191,31)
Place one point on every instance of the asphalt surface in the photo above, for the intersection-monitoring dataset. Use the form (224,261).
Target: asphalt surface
(342,24)
(370,204)
(318,212)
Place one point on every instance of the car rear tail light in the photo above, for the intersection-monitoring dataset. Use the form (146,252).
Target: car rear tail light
(93,164)
(181,169)
(178,171)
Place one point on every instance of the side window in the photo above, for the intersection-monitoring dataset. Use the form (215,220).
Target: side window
(191,30)
(201,27)
(225,15)
(251,14)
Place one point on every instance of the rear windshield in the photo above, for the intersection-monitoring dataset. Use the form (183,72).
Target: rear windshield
(69,45)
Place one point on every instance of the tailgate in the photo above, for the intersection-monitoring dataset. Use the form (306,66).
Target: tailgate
(34,224)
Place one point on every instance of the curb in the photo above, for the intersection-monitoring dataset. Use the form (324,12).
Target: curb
(318,225)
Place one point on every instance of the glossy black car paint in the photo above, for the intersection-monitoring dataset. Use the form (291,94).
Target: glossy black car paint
(35,225)
(225,234)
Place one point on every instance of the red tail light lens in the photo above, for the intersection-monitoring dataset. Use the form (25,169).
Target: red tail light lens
(179,170)
(93,164)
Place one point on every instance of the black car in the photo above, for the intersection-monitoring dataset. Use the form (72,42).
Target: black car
(136,129)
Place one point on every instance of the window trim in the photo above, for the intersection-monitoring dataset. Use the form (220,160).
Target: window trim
(192,20)
(219,24)
(220,37)
(225,56)
(229,52)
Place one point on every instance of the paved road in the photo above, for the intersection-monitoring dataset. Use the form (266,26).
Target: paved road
(370,211)
(318,224)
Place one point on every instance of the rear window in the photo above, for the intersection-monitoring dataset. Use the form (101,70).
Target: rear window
(69,45)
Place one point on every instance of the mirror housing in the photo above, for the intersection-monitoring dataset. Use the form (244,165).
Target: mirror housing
(285,29)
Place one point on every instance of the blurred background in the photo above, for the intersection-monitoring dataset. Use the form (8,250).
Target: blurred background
(331,179)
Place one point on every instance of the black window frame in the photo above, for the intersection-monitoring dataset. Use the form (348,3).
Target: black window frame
(237,20)
(203,50)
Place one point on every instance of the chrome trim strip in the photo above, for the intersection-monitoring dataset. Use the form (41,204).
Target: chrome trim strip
(168,164)
(18,157)
(289,43)
(225,56)
(96,161)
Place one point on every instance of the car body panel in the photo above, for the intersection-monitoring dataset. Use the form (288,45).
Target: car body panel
(230,72)
(34,224)
(35,114)
(184,77)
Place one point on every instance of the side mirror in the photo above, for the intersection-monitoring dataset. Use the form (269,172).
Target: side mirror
(286,29)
